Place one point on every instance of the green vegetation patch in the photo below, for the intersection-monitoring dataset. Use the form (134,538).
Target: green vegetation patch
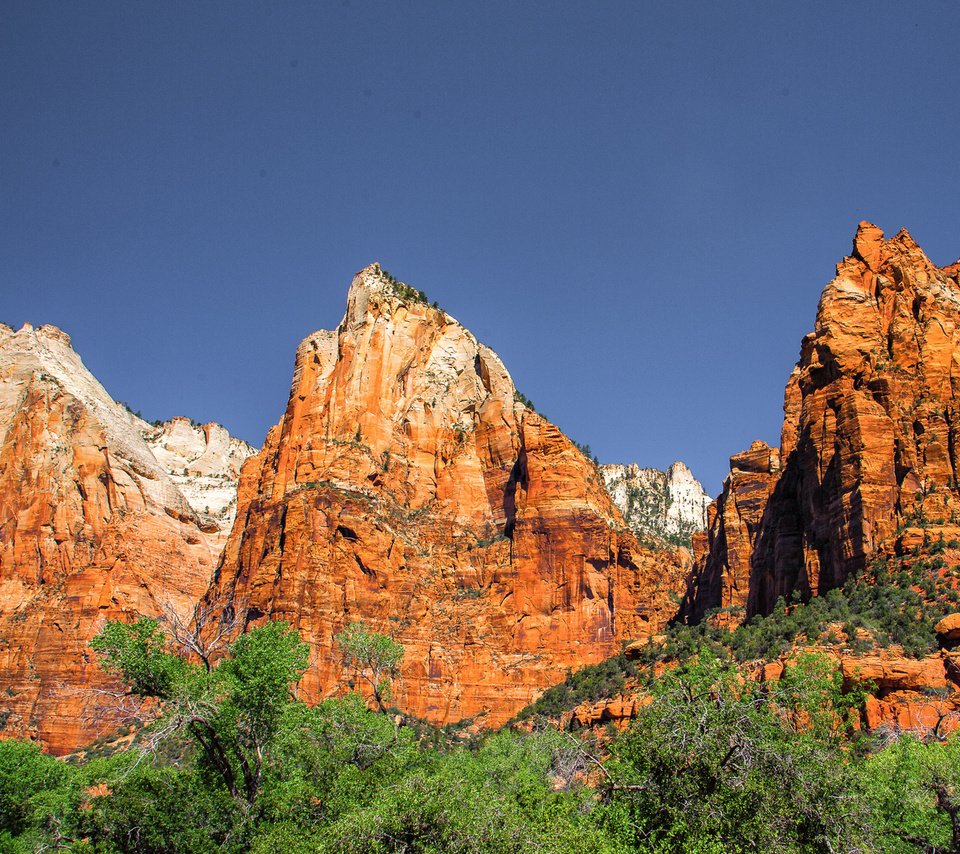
(403,290)
(712,764)
(897,602)
(586,685)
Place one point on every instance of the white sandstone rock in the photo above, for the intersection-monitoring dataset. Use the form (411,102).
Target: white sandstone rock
(669,505)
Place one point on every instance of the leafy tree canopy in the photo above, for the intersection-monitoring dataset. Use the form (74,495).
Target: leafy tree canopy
(373,657)
(713,762)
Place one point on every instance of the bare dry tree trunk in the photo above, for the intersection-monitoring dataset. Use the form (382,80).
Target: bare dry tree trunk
(211,626)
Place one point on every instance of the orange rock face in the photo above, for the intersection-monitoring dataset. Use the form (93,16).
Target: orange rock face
(91,528)
(734,522)
(616,711)
(948,630)
(406,487)
(869,440)
(906,694)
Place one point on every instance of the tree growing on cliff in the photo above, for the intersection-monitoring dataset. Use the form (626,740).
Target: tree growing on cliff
(373,657)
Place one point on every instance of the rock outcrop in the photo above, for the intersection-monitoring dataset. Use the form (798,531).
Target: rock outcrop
(92,527)
(869,445)
(722,575)
(204,462)
(948,630)
(658,505)
(616,711)
(407,487)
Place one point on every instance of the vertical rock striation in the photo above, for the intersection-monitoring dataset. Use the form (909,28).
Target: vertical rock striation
(407,487)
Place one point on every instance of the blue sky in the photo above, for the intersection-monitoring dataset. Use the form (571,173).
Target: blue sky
(635,204)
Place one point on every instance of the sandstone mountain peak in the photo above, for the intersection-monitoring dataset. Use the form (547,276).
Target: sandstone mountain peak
(204,462)
(373,288)
(92,526)
(406,486)
(680,471)
(868,244)
(45,331)
(658,505)
(372,279)
(43,358)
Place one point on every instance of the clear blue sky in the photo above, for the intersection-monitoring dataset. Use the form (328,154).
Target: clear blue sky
(635,204)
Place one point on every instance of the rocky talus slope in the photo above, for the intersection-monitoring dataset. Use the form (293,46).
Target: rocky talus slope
(870,447)
(658,505)
(92,527)
(406,486)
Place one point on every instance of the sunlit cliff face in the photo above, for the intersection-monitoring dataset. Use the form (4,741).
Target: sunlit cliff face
(406,486)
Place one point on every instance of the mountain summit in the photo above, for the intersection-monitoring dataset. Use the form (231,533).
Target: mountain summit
(407,486)
(869,456)
(658,505)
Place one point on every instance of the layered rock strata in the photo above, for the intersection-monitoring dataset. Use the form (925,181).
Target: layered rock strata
(658,505)
(407,487)
(869,445)
(92,527)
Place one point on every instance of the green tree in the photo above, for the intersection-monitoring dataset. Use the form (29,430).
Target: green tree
(502,797)
(337,757)
(232,712)
(25,774)
(43,800)
(915,792)
(140,653)
(161,809)
(373,657)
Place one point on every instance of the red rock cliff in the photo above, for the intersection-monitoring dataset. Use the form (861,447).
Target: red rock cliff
(406,487)
(869,440)
(91,528)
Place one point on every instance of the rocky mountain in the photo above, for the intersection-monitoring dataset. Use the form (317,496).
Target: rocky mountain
(860,501)
(658,505)
(407,486)
(869,452)
(92,527)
